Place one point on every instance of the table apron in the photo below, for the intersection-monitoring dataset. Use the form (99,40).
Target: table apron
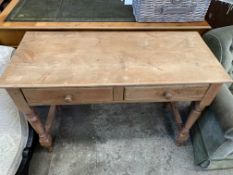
(95,95)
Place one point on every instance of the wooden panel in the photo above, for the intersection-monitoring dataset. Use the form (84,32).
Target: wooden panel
(94,59)
(193,26)
(189,26)
(118,93)
(11,37)
(162,94)
(67,96)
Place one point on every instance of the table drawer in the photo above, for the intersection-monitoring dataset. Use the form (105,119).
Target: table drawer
(161,94)
(48,96)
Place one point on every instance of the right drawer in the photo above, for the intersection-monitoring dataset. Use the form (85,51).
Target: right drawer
(165,93)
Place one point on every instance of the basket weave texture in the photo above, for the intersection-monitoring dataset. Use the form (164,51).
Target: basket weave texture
(170,10)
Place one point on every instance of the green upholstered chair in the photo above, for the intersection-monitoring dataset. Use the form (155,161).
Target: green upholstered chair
(213,134)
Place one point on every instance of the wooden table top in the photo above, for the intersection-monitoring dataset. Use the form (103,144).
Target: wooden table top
(86,59)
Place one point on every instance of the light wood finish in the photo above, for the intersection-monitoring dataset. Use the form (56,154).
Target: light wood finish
(33,118)
(114,59)
(188,26)
(56,96)
(176,114)
(50,118)
(165,94)
(196,112)
(20,101)
(209,96)
(118,93)
(108,67)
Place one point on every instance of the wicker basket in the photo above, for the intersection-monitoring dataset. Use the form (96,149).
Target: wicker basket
(170,10)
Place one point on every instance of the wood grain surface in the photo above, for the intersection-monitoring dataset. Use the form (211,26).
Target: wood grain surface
(55,96)
(165,94)
(86,59)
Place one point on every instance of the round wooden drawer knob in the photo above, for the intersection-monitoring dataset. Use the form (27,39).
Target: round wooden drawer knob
(68,99)
(168,95)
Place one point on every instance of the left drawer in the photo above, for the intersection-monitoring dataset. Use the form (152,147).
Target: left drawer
(63,96)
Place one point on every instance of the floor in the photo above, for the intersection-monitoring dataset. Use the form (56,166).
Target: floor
(116,139)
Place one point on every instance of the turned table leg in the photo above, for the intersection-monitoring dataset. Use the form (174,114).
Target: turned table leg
(196,113)
(45,138)
(177,116)
(192,118)
(50,118)
(33,118)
